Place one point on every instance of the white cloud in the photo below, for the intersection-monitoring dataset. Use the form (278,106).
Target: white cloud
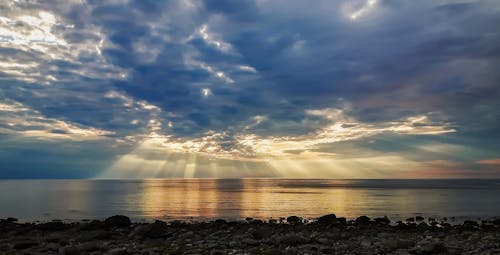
(21,120)
(39,38)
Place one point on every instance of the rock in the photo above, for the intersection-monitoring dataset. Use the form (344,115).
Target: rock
(257,222)
(69,250)
(293,220)
(117,251)
(52,246)
(89,246)
(496,221)
(341,220)
(261,233)
(55,237)
(384,220)
(398,244)
(93,225)
(411,219)
(271,251)
(327,219)
(24,244)
(220,221)
(423,225)
(366,243)
(470,224)
(293,239)
(402,252)
(11,219)
(52,226)
(117,221)
(217,252)
(434,248)
(94,235)
(419,218)
(156,230)
(249,219)
(362,220)
(290,251)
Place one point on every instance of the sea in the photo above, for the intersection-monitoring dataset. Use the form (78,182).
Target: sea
(236,199)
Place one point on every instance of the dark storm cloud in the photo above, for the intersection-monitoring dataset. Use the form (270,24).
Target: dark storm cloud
(264,58)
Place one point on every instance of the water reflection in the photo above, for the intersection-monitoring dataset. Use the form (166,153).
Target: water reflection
(201,199)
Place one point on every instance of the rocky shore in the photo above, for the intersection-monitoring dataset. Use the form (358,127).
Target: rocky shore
(329,234)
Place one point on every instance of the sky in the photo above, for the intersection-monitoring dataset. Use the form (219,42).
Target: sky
(249,88)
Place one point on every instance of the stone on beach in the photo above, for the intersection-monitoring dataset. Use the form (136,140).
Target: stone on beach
(118,221)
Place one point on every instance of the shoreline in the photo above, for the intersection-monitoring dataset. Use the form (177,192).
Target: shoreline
(327,234)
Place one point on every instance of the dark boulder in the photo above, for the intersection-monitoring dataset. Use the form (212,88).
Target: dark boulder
(117,221)
(384,220)
(327,219)
(52,226)
(496,221)
(362,220)
(470,224)
(24,244)
(158,229)
(341,221)
(93,225)
(419,218)
(257,222)
(220,221)
(293,220)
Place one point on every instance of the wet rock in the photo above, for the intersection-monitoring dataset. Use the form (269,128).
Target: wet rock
(156,230)
(398,244)
(384,220)
(341,220)
(24,244)
(11,219)
(434,248)
(53,226)
(89,246)
(362,220)
(290,251)
(496,222)
(293,220)
(69,250)
(94,235)
(92,225)
(117,251)
(271,251)
(273,221)
(293,239)
(261,233)
(220,221)
(411,219)
(419,218)
(327,219)
(470,224)
(117,221)
(257,222)
(402,252)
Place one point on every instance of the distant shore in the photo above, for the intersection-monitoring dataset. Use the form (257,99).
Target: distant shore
(326,235)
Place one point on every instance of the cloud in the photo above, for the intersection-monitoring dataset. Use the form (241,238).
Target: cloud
(493,162)
(251,80)
(20,120)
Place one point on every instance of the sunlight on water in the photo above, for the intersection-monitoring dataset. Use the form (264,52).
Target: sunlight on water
(202,199)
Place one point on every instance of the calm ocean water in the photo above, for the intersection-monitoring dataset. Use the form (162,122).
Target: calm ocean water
(203,199)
